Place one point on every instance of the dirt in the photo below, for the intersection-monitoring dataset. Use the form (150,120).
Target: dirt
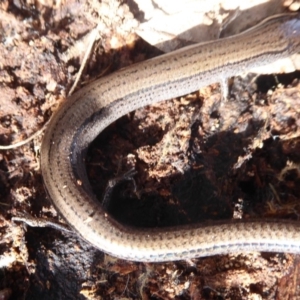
(197,158)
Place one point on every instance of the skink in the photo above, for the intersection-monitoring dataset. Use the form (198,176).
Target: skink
(89,111)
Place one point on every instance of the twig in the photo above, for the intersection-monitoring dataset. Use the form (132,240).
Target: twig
(93,37)
(16,145)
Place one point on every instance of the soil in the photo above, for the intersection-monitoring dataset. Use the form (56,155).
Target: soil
(197,158)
